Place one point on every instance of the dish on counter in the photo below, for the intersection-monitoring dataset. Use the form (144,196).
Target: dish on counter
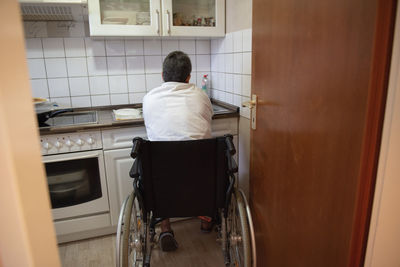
(127,114)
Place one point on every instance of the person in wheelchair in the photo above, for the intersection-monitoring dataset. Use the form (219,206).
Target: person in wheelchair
(177,110)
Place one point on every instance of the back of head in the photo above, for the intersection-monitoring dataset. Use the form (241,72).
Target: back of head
(176,67)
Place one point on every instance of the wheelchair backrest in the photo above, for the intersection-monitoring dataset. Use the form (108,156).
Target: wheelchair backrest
(183,178)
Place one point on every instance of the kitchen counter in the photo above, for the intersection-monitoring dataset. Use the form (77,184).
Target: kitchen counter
(105,118)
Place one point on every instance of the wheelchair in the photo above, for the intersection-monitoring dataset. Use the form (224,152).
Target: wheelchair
(184,179)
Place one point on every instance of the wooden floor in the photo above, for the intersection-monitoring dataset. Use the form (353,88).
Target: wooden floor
(195,249)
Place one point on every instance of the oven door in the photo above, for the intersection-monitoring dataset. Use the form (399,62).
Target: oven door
(77,184)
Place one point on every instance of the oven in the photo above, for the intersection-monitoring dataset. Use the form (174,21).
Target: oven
(77,184)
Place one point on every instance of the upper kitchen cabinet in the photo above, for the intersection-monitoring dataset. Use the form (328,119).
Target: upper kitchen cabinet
(124,17)
(190,18)
(194,18)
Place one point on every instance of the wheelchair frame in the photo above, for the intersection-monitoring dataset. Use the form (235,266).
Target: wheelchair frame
(136,227)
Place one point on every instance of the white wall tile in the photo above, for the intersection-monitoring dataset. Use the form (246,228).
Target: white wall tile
(36,68)
(100,100)
(77,67)
(97,66)
(221,82)
(229,83)
(238,63)
(135,65)
(63,102)
(119,99)
(228,42)
(40,88)
(203,47)
(80,101)
(246,85)
(203,63)
(237,84)
(193,78)
(237,100)
(153,81)
(118,84)
(134,47)
(152,47)
(95,47)
(221,62)
(74,47)
(136,83)
(116,65)
(168,46)
(34,48)
(53,47)
(99,85)
(115,47)
(152,64)
(194,62)
(247,35)
(214,63)
(58,87)
(247,63)
(229,63)
(221,45)
(56,67)
(187,46)
(135,98)
(214,46)
(238,42)
(79,86)
(229,98)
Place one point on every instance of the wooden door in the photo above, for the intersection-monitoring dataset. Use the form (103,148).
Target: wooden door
(320,70)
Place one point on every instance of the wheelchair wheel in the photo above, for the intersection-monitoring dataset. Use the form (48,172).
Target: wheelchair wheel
(130,234)
(238,232)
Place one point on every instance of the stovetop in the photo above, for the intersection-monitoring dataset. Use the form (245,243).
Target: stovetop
(71,119)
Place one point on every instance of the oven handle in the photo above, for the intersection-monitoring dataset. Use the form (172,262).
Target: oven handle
(87,156)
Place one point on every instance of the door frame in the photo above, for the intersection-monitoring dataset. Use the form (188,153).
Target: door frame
(373,130)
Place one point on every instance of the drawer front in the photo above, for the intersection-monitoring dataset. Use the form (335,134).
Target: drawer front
(220,127)
(122,137)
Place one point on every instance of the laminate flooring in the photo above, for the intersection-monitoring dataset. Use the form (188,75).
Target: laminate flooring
(195,249)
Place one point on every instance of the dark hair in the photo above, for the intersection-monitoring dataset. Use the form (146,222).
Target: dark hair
(176,67)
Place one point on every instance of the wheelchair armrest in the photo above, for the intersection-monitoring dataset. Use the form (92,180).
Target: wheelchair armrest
(136,146)
(134,172)
(229,144)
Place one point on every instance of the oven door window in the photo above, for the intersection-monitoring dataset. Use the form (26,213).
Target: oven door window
(73,182)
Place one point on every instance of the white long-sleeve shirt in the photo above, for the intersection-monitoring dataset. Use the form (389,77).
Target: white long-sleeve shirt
(177,111)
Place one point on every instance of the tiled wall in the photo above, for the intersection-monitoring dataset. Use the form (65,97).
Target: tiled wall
(231,68)
(84,72)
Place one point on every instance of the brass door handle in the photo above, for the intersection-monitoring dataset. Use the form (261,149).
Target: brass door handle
(249,104)
(252,105)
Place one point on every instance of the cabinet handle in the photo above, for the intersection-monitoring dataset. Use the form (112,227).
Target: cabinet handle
(169,22)
(158,21)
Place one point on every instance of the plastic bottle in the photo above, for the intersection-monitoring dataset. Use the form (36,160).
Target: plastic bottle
(204,84)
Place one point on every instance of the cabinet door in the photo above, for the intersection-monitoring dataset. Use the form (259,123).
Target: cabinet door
(194,18)
(124,17)
(120,184)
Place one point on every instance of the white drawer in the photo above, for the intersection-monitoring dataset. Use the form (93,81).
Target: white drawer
(220,127)
(122,137)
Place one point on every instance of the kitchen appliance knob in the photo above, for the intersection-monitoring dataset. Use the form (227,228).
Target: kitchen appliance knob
(68,143)
(79,142)
(58,144)
(47,145)
(90,141)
